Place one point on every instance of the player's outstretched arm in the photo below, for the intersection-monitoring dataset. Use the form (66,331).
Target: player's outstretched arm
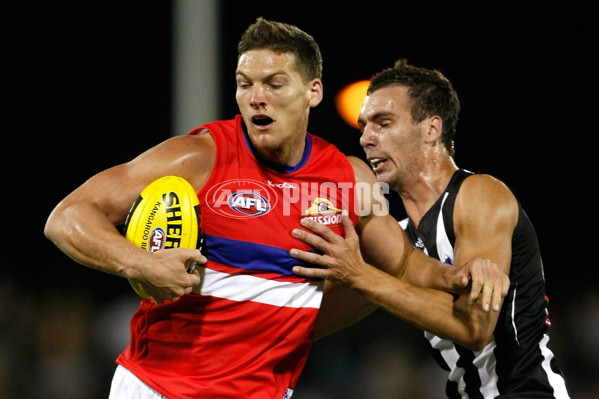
(347,260)
(83,224)
(429,309)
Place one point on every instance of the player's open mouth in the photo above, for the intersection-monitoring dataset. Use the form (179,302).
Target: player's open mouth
(376,163)
(262,120)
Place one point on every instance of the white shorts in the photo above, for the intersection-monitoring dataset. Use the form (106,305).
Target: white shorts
(126,385)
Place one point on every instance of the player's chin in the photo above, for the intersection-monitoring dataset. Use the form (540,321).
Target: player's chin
(381,176)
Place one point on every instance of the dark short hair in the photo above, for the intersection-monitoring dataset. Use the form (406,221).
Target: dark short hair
(431,93)
(284,38)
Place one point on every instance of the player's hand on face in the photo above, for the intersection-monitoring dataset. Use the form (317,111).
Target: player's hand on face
(487,282)
(341,259)
(167,277)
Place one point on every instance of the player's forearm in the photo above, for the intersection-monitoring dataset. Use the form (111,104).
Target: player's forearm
(423,271)
(428,309)
(83,233)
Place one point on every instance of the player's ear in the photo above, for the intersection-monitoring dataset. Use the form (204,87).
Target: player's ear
(434,126)
(316,92)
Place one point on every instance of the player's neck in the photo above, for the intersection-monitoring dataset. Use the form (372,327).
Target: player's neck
(419,196)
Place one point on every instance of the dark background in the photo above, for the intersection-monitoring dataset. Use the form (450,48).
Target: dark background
(86,86)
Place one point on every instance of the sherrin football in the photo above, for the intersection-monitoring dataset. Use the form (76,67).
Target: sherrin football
(166,215)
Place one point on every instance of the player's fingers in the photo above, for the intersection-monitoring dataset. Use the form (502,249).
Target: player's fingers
(459,279)
(193,279)
(311,239)
(323,231)
(491,287)
(196,272)
(463,281)
(506,286)
(193,257)
(499,293)
(485,297)
(496,300)
(191,264)
(307,256)
(477,285)
(309,272)
(348,225)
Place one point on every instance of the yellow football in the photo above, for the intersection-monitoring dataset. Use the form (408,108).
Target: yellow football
(166,215)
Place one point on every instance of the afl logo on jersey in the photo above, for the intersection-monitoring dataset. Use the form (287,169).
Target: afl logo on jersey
(241,198)
(249,203)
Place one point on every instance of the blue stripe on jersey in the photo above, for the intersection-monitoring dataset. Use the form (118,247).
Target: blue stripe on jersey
(251,256)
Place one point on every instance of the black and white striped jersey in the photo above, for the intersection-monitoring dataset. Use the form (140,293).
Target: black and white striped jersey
(517,362)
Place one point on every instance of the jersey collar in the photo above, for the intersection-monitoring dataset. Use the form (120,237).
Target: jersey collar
(279,167)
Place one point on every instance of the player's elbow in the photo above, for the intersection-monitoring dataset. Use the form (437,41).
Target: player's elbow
(477,343)
(49,229)
(473,337)
(477,338)
(53,229)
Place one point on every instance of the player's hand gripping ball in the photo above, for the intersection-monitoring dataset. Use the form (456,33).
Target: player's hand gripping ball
(166,215)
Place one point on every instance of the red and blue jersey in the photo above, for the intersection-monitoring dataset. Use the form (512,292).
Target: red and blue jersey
(247,330)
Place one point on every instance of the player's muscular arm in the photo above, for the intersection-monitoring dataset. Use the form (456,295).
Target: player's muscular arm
(343,306)
(485,215)
(382,241)
(429,309)
(385,245)
(343,261)
(83,224)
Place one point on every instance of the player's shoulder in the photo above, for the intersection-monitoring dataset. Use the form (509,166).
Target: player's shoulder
(481,194)
(186,147)
(203,139)
(482,184)
(191,157)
